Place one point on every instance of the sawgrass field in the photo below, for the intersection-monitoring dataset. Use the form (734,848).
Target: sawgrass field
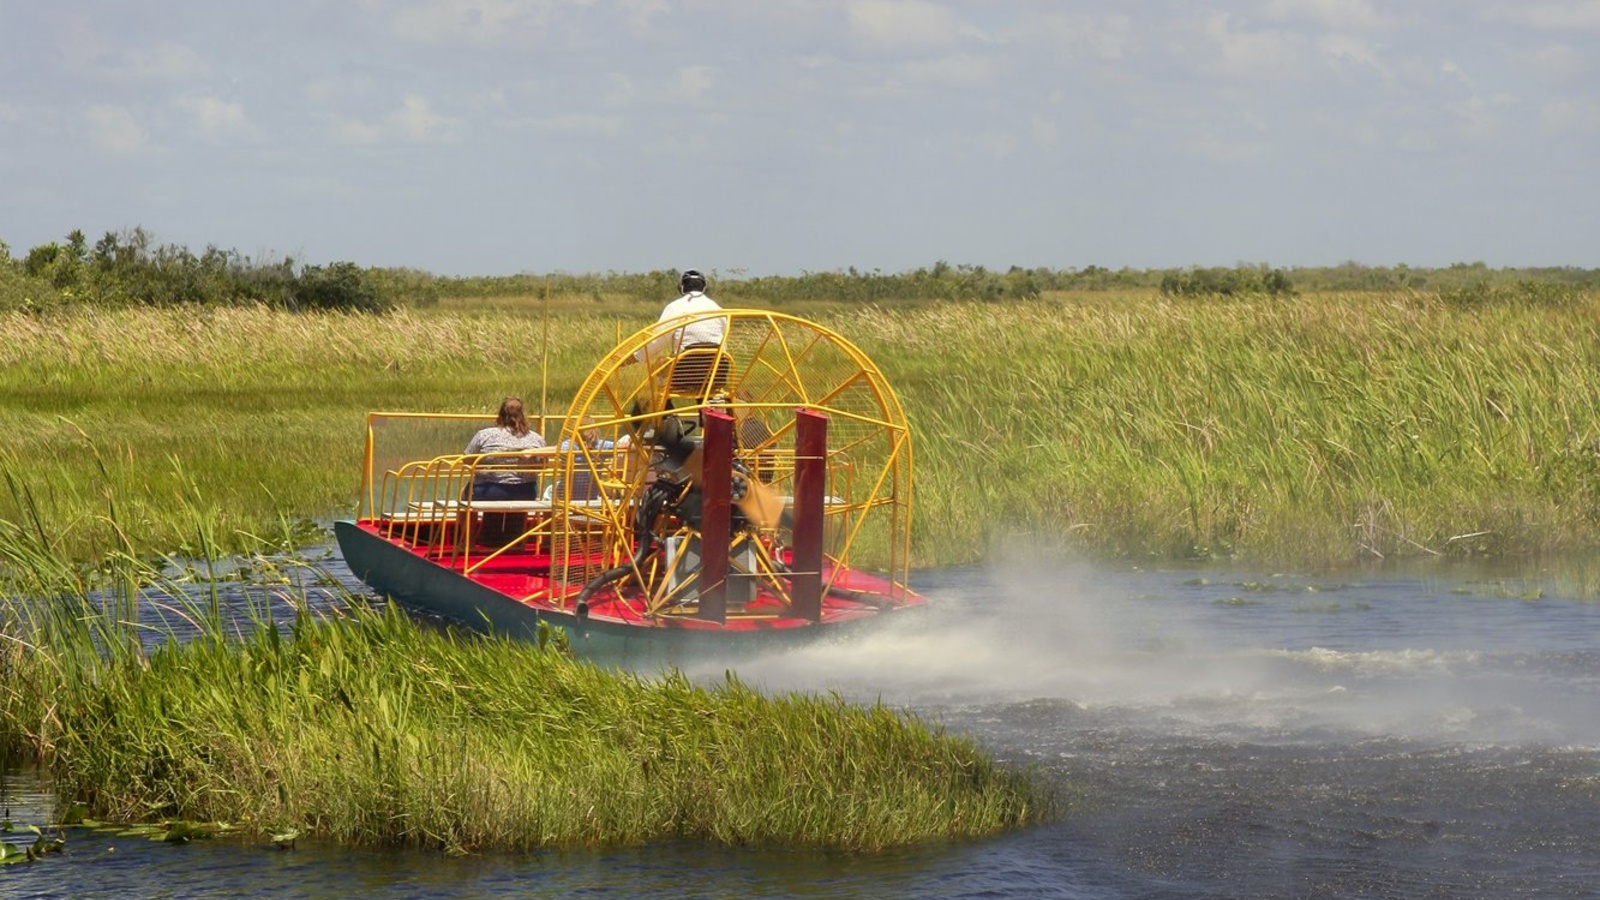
(1315,431)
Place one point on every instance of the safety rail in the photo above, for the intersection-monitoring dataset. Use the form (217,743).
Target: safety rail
(429,504)
(579,521)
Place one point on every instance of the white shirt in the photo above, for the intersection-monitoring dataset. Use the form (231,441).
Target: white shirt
(705,331)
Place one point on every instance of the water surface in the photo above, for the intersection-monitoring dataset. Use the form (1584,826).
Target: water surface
(1216,736)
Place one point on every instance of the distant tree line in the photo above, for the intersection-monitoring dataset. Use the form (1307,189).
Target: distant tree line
(129,268)
(1463,283)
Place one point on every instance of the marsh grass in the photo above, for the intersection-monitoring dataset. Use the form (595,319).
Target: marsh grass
(1315,430)
(363,728)
(253,413)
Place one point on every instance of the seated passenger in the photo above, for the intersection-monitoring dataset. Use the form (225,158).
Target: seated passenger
(582,486)
(591,437)
(498,478)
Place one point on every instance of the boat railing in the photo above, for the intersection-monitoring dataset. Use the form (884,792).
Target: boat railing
(430,504)
(579,520)
(400,440)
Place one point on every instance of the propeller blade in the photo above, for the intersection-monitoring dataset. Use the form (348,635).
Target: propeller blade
(762,505)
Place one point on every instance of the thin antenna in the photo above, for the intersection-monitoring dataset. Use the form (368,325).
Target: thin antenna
(544,360)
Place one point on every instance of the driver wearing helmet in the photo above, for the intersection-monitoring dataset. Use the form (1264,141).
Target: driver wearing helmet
(705,332)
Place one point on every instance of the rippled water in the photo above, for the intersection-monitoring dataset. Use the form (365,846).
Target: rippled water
(1217,737)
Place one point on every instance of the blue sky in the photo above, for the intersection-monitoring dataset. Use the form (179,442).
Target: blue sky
(778,136)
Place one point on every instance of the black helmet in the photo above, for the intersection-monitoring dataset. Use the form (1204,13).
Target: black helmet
(691,280)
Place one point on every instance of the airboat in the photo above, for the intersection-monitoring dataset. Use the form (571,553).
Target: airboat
(733,495)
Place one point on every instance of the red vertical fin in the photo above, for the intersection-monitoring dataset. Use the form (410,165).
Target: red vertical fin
(716,482)
(810,486)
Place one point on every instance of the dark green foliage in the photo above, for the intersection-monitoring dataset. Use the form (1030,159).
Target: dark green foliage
(342,285)
(1485,291)
(404,287)
(130,269)
(1239,280)
(1474,278)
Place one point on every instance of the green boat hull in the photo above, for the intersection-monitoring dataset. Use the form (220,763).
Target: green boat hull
(424,586)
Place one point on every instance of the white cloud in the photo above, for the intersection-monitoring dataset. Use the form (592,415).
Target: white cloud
(694,81)
(620,89)
(76,39)
(215,119)
(1416,140)
(483,22)
(1252,51)
(1339,15)
(1577,16)
(1101,36)
(1567,116)
(357,131)
(446,21)
(414,122)
(114,129)
(1228,151)
(1345,49)
(1045,131)
(1480,116)
(329,91)
(493,99)
(320,187)
(999,144)
(1558,62)
(640,15)
(1455,72)
(8,113)
(581,124)
(960,70)
(166,61)
(905,25)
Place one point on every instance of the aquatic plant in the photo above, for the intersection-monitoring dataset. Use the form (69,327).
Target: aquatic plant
(360,726)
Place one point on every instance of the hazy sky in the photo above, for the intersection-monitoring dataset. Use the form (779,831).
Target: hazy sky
(780,136)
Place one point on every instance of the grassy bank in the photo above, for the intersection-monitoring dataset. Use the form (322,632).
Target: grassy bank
(1314,430)
(368,729)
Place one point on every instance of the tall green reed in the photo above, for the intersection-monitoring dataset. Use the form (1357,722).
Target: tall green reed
(1317,431)
(1314,431)
(359,726)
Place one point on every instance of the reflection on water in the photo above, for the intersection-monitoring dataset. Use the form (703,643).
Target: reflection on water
(1416,735)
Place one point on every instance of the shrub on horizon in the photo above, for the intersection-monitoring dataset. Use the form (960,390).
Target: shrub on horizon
(1202,282)
(129,268)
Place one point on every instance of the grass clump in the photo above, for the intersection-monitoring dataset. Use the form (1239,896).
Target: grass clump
(364,728)
(369,730)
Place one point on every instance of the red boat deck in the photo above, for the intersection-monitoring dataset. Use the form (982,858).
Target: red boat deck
(523,573)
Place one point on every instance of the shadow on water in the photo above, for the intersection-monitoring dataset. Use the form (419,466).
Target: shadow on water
(1422,734)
